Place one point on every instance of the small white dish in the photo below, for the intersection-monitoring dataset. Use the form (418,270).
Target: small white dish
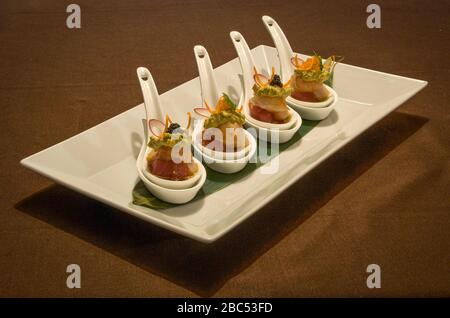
(168,190)
(308,110)
(227,166)
(169,184)
(221,155)
(210,96)
(262,124)
(332,96)
(279,133)
(175,196)
(314,113)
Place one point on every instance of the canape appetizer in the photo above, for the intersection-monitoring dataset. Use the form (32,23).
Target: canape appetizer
(269,101)
(165,163)
(309,77)
(223,126)
(170,156)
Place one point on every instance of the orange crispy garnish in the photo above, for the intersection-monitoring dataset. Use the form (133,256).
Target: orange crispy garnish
(207,107)
(272,75)
(189,120)
(296,61)
(166,125)
(311,64)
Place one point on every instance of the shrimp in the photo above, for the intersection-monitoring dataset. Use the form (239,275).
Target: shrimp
(271,104)
(318,89)
(275,105)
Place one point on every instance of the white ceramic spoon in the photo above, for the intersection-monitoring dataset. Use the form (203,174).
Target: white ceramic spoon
(175,196)
(227,165)
(224,162)
(152,105)
(268,131)
(208,84)
(285,53)
(152,102)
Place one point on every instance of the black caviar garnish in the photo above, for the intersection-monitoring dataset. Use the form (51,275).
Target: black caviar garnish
(276,81)
(172,127)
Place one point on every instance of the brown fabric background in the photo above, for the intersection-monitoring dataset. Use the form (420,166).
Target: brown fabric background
(382,199)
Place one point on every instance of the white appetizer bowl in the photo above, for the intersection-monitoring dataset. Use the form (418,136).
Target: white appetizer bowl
(175,196)
(332,96)
(274,135)
(314,113)
(263,124)
(169,184)
(221,155)
(227,166)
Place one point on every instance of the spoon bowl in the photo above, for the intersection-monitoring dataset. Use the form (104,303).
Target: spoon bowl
(263,124)
(274,135)
(331,97)
(175,196)
(220,155)
(170,184)
(314,113)
(227,166)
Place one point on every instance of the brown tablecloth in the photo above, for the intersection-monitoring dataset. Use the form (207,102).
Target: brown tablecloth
(382,199)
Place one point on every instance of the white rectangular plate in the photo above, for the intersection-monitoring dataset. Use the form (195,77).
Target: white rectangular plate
(104,170)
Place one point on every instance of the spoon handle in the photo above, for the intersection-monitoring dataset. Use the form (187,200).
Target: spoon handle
(284,49)
(208,83)
(150,92)
(247,64)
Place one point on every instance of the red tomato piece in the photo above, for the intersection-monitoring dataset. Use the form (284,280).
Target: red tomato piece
(261,114)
